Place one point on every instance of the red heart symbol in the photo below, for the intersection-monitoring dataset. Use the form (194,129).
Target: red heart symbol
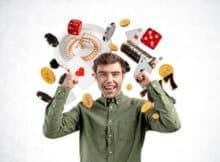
(80,72)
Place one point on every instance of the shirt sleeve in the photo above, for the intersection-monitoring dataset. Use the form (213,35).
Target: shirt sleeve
(56,123)
(163,116)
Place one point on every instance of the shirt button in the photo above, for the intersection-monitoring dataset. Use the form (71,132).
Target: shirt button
(110,135)
(110,152)
(110,122)
(111,107)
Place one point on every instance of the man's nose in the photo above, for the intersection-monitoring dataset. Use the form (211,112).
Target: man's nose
(109,77)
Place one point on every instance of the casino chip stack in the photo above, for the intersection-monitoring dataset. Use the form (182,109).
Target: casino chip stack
(109,32)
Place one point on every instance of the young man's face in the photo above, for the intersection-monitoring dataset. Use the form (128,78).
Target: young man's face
(109,79)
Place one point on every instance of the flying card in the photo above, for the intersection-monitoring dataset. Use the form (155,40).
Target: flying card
(71,97)
(143,65)
(134,35)
(83,71)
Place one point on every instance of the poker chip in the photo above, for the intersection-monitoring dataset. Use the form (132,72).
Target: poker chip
(155,116)
(127,68)
(113,47)
(48,75)
(51,39)
(124,22)
(54,64)
(87,100)
(43,96)
(109,32)
(146,107)
(165,70)
(129,86)
(62,78)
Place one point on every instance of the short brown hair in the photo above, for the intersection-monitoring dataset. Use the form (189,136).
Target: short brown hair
(110,58)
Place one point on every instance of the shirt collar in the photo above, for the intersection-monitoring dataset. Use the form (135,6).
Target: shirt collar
(116,100)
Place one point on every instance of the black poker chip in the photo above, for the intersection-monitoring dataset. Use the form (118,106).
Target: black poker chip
(44,96)
(54,64)
(109,32)
(62,78)
(51,39)
(127,68)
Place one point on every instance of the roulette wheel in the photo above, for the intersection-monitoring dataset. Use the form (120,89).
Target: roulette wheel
(87,45)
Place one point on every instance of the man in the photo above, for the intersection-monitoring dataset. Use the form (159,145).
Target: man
(113,130)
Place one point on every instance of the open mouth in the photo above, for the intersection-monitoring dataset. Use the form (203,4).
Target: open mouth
(110,88)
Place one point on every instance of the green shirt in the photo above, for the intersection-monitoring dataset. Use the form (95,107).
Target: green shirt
(111,132)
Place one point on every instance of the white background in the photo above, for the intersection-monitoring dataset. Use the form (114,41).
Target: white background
(190,43)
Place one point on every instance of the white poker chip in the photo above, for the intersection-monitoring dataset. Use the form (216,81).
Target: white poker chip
(109,32)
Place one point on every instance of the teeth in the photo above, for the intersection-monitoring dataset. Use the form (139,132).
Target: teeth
(109,87)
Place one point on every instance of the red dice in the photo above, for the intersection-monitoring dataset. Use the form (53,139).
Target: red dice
(74,27)
(151,38)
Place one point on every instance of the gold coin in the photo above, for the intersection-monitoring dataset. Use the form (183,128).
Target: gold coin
(165,70)
(113,47)
(48,75)
(146,107)
(155,116)
(124,22)
(129,86)
(87,100)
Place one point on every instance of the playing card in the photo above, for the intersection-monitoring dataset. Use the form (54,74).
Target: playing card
(143,65)
(84,72)
(87,80)
(134,35)
(71,97)
(151,38)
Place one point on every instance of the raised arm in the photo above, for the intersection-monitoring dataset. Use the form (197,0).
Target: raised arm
(162,116)
(57,123)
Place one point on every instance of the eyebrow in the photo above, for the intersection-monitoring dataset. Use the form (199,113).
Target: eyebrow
(110,72)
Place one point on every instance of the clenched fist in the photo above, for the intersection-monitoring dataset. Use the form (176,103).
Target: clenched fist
(70,80)
(143,78)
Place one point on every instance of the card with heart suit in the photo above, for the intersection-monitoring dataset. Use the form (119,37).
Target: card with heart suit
(83,71)
(134,35)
